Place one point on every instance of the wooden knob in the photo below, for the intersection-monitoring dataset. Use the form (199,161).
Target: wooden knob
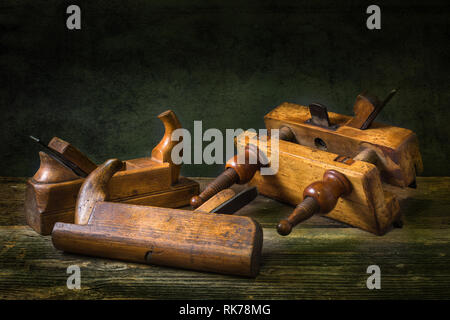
(328,191)
(246,170)
(318,197)
(235,172)
(196,202)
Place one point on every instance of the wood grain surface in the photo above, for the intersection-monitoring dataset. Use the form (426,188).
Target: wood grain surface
(397,148)
(368,206)
(321,259)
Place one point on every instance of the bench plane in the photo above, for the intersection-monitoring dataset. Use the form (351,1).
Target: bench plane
(51,193)
(331,164)
(197,240)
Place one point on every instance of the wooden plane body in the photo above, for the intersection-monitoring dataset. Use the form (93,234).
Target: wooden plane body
(368,206)
(197,240)
(327,163)
(52,192)
(397,148)
(170,237)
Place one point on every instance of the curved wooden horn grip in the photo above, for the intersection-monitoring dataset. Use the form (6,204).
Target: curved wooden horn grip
(163,150)
(234,173)
(318,197)
(94,189)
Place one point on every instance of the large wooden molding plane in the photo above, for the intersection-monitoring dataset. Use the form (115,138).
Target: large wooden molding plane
(329,163)
(187,239)
(51,193)
(396,149)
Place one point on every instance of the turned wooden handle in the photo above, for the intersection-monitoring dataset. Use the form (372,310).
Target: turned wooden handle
(94,189)
(234,173)
(318,197)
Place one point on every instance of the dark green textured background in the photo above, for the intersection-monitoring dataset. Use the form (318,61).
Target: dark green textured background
(226,63)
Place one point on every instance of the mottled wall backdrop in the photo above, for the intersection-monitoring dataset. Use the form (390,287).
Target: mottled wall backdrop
(224,62)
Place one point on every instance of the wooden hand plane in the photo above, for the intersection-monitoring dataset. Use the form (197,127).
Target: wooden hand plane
(51,193)
(170,237)
(329,163)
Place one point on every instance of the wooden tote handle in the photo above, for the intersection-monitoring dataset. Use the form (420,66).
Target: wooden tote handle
(318,197)
(163,150)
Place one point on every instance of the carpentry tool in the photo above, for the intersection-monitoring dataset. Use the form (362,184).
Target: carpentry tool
(51,193)
(355,157)
(396,149)
(171,237)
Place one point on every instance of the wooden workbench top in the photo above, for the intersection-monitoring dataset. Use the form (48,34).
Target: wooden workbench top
(321,259)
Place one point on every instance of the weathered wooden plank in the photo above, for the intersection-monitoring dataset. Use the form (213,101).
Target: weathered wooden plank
(310,264)
(320,259)
(12,195)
